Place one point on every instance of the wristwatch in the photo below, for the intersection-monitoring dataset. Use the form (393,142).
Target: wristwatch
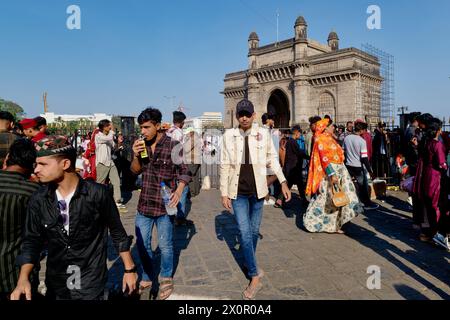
(132,270)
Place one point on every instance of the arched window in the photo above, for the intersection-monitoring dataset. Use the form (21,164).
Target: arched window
(327,106)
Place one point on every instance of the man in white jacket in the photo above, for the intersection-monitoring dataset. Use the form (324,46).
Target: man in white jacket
(247,152)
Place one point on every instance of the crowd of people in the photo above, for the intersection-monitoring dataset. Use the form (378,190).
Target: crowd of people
(60,199)
(51,208)
(331,168)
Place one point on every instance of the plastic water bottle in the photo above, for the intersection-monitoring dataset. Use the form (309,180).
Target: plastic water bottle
(165,194)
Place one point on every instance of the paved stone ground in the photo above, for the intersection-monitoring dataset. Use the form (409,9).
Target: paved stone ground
(298,264)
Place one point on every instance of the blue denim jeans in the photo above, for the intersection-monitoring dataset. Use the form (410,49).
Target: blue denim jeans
(248,212)
(144,227)
(183,205)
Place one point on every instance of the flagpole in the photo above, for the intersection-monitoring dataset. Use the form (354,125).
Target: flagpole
(278,15)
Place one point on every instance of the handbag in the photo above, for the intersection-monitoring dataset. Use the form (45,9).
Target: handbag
(339,197)
(408,184)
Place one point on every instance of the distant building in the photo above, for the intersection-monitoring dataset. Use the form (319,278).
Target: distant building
(94,118)
(299,77)
(198,123)
(211,117)
(195,123)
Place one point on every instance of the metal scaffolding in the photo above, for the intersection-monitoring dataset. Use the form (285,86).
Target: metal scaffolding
(388,87)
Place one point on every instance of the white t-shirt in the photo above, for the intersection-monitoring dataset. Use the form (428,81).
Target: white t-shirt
(79,165)
(175,133)
(355,149)
(275,136)
(64,204)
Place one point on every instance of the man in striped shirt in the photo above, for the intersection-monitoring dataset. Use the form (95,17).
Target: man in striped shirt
(7,137)
(15,192)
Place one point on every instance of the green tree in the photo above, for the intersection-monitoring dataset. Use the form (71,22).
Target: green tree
(72,126)
(13,108)
(117,123)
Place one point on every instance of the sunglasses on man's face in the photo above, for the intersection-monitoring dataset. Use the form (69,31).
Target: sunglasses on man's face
(244,114)
(64,216)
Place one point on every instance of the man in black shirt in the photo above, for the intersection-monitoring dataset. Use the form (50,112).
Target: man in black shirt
(293,163)
(73,216)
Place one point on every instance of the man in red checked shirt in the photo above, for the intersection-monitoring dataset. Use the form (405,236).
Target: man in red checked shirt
(157,163)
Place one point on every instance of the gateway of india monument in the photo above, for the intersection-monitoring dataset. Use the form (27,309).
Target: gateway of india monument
(299,78)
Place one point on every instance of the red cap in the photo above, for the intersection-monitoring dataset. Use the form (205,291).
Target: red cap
(359,120)
(28,123)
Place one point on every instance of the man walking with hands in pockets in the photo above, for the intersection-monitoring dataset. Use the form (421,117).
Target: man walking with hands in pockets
(246,154)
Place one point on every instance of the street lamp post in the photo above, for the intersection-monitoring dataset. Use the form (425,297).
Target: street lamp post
(402,109)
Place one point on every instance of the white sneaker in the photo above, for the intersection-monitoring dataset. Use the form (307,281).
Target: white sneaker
(442,241)
(271,202)
(371,206)
(410,201)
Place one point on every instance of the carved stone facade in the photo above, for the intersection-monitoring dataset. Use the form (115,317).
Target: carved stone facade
(299,77)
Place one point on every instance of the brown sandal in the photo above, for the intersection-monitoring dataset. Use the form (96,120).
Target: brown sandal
(252,290)
(143,288)
(166,288)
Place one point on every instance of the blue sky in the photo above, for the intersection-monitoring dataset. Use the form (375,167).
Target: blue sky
(130,54)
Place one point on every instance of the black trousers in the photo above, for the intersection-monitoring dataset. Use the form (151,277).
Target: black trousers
(362,186)
(294,177)
(380,165)
(418,210)
(276,189)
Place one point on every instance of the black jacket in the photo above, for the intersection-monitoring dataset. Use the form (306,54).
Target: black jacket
(92,212)
(294,157)
(378,139)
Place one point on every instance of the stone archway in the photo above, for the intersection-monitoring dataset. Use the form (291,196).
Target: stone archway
(278,105)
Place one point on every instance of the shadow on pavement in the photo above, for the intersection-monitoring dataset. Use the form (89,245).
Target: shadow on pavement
(295,208)
(409,293)
(398,204)
(227,230)
(182,236)
(427,257)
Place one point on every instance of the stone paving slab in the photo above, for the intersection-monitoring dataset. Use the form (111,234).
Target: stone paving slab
(298,264)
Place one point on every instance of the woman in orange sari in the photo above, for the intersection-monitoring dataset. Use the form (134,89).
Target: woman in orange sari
(327,168)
